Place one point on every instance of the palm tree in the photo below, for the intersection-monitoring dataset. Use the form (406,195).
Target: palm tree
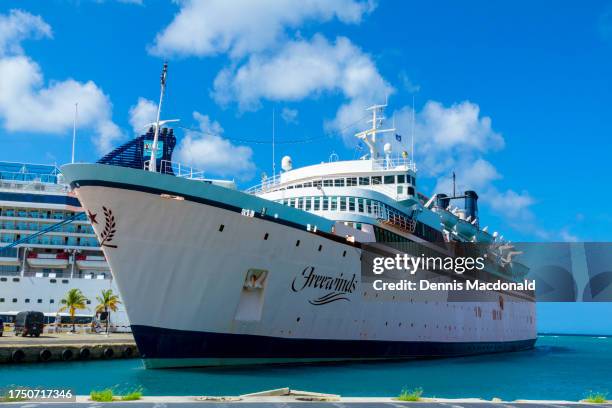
(107,302)
(73,300)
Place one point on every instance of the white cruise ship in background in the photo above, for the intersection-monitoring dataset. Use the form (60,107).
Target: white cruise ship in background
(37,274)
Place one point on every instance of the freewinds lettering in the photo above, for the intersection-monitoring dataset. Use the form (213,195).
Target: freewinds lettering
(337,287)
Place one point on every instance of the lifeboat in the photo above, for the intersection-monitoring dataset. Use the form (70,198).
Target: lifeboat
(448,219)
(40,260)
(465,229)
(91,262)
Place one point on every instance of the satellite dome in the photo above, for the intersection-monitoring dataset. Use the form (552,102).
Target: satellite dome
(287,163)
(387,148)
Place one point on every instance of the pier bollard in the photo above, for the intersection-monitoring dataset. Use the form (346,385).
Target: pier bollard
(108,352)
(18,356)
(84,353)
(45,355)
(67,355)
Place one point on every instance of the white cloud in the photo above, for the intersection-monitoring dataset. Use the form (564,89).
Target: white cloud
(141,114)
(209,151)
(302,69)
(28,104)
(290,115)
(239,27)
(17,26)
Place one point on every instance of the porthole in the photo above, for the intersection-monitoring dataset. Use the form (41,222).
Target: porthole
(221,227)
(266,236)
(27,300)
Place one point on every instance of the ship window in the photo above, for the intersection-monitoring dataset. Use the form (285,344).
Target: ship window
(344,254)
(27,300)
(351,205)
(334,204)
(266,236)
(400,189)
(1,300)
(328,183)
(389,179)
(309,184)
(316,183)
(325,203)
(39,301)
(342,203)
(410,190)
(360,205)
(221,227)
(289,187)
(401,178)
(308,203)
(320,248)
(376,180)
(300,203)
(298,186)
(368,206)
(317,203)
(3,279)
(297,243)
(364,181)
(51,301)
(53,280)
(89,302)
(351,181)
(15,279)
(339,182)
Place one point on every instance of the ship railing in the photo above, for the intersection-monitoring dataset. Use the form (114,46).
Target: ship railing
(267,184)
(32,185)
(177,169)
(392,163)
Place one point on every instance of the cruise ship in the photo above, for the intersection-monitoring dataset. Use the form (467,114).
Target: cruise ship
(47,246)
(211,275)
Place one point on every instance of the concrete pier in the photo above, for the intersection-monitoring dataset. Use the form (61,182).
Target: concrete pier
(66,347)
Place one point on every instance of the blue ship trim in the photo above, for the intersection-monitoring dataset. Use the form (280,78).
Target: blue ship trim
(40,198)
(160,343)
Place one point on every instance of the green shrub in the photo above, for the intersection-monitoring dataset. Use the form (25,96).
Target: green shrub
(132,396)
(596,398)
(414,395)
(105,395)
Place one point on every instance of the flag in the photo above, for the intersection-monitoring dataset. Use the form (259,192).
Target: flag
(398,137)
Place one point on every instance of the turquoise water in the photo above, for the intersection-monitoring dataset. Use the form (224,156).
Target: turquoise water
(565,367)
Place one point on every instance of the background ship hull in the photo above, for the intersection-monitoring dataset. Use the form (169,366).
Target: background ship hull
(182,275)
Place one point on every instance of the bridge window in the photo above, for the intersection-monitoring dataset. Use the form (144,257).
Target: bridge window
(308,204)
(351,205)
(300,203)
(317,203)
(400,189)
(389,179)
(342,203)
(334,204)
(360,205)
(325,203)
(351,181)
(339,182)
(401,179)
(368,206)
(328,183)
(376,180)
(364,181)
(411,190)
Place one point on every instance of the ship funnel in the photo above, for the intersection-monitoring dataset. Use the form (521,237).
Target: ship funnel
(442,201)
(471,204)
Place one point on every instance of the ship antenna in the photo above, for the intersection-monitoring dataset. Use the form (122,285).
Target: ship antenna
(153,161)
(412,132)
(454,180)
(273,146)
(74,126)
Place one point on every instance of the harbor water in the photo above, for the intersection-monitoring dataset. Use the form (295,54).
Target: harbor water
(560,367)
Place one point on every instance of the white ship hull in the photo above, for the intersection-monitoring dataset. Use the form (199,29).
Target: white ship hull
(181,264)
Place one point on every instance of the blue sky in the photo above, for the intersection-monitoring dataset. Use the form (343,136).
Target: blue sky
(514,97)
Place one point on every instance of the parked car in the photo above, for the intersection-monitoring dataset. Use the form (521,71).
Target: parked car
(29,323)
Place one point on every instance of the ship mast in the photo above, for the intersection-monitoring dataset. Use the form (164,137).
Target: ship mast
(153,160)
(369,135)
